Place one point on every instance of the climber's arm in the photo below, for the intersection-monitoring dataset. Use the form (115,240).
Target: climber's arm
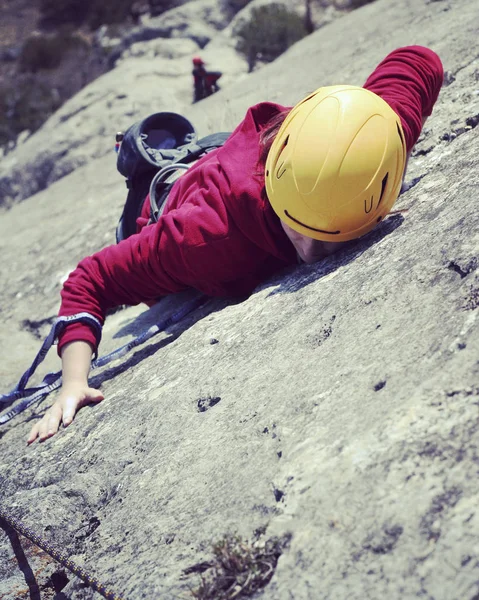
(75,391)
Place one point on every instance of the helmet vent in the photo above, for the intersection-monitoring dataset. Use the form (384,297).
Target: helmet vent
(309,97)
(383,188)
(280,171)
(366,209)
(401,137)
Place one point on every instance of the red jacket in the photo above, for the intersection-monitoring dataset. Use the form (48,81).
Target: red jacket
(218,233)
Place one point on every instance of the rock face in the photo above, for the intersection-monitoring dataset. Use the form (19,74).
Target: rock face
(337,407)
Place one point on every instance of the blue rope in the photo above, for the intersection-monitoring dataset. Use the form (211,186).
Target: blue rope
(53,381)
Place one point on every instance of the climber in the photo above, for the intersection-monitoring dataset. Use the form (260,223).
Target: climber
(205,82)
(289,185)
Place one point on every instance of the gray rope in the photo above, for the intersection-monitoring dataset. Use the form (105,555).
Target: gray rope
(58,555)
(53,381)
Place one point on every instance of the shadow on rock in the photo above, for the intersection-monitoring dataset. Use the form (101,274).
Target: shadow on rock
(310,273)
(22,561)
(152,317)
(167,307)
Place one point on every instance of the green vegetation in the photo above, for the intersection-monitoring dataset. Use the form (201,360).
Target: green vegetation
(24,107)
(47,51)
(107,12)
(77,13)
(94,13)
(51,68)
(271,30)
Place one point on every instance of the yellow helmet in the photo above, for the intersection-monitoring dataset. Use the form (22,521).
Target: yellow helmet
(336,165)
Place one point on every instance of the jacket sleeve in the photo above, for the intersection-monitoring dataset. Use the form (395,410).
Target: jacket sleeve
(409,80)
(139,269)
(196,245)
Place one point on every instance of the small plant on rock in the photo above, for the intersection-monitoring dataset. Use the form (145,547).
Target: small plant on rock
(238,569)
(271,30)
(47,51)
(24,108)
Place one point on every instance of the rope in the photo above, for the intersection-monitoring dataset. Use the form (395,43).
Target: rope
(57,555)
(53,381)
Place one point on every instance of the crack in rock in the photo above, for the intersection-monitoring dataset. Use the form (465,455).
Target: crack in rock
(406,186)
(463,270)
(205,404)
(470,124)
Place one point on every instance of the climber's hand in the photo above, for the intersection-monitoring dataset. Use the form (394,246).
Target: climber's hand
(72,397)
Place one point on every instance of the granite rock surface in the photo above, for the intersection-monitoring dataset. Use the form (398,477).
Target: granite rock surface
(337,407)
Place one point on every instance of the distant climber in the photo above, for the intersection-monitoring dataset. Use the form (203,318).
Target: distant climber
(205,82)
(290,185)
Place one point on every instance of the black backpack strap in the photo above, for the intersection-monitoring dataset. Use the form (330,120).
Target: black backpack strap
(189,152)
(140,184)
(214,140)
(137,192)
(160,187)
(161,184)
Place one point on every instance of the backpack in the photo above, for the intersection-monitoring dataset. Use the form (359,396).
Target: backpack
(150,154)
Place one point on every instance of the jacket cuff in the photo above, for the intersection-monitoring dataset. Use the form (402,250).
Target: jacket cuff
(77,332)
